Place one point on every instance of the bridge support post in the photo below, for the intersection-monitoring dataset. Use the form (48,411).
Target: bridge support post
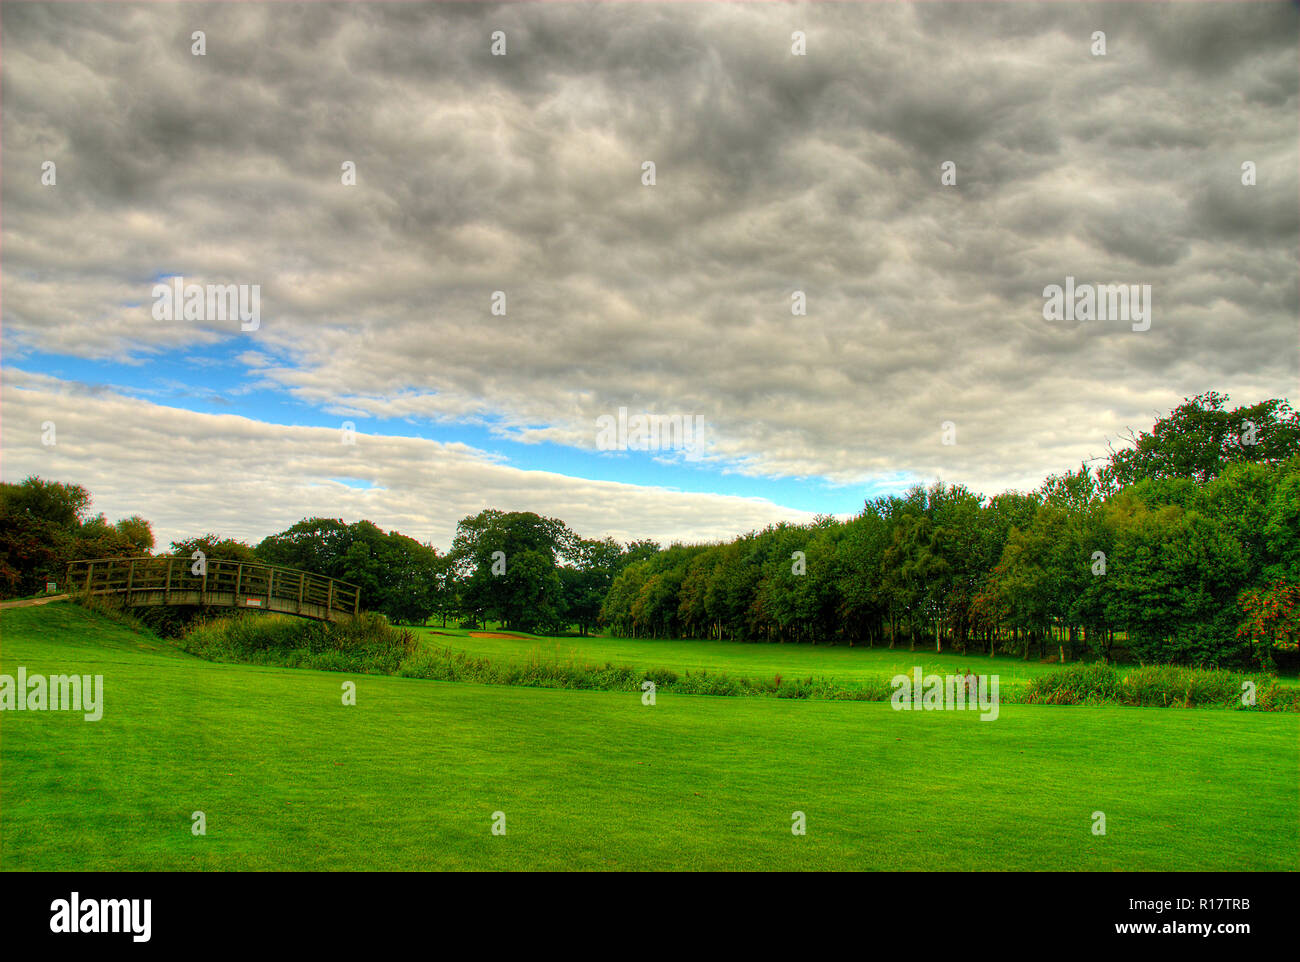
(167,590)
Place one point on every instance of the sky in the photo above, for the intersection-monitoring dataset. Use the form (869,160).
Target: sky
(915,178)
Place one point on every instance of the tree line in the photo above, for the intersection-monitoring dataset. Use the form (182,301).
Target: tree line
(1183,548)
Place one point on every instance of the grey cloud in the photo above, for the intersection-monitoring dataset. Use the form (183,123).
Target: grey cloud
(775,173)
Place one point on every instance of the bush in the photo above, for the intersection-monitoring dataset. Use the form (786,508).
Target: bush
(367,644)
(1158,686)
(1076,685)
(1165,685)
(1275,697)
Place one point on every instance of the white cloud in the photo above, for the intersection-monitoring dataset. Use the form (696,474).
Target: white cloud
(191,473)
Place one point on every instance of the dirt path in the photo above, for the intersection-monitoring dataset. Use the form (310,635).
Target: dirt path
(28,602)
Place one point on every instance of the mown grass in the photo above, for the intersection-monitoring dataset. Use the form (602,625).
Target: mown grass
(446,664)
(815,667)
(371,645)
(408,778)
(738,659)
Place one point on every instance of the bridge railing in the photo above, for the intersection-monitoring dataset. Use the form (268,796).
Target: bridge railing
(242,584)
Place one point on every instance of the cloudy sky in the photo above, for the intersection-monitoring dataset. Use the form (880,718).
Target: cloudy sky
(774,173)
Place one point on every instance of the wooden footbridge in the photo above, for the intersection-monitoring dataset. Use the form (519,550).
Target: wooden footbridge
(223,584)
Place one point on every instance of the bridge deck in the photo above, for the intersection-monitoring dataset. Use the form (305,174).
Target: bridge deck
(227,584)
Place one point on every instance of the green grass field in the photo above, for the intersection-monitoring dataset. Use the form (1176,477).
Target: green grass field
(753,660)
(289,778)
(740,659)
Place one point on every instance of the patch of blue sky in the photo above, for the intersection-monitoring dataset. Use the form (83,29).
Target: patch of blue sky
(358,484)
(213,380)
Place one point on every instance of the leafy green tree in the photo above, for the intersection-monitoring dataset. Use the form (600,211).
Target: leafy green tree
(399,576)
(863,604)
(445,588)
(915,574)
(1175,578)
(587,579)
(1200,438)
(616,611)
(692,613)
(52,502)
(137,532)
(313,544)
(1271,621)
(44,525)
(215,548)
(508,567)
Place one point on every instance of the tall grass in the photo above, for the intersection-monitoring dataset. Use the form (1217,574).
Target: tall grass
(1159,686)
(367,644)
(110,607)
(447,664)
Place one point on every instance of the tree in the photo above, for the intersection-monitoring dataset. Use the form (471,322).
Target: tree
(52,502)
(1200,438)
(215,548)
(587,579)
(313,544)
(508,568)
(44,525)
(1175,577)
(446,589)
(916,574)
(137,532)
(863,606)
(1271,620)
(400,577)
(616,610)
